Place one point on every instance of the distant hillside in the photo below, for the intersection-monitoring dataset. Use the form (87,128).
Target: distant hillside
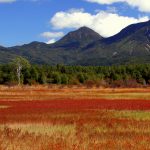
(86,47)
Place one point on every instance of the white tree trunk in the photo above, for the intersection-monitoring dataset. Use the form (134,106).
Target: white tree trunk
(19,68)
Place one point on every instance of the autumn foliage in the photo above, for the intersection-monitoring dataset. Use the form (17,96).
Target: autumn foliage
(71,119)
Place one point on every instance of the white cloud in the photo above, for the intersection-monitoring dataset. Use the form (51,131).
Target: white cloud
(52,34)
(51,41)
(142,5)
(7,1)
(103,22)
(105,1)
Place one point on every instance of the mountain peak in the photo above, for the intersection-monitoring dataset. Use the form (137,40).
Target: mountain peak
(85,31)
(84,28)
(78,38)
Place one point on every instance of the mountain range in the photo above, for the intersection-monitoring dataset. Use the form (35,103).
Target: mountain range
(86,47)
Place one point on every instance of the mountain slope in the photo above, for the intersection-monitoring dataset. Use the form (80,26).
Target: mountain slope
(130,45)
(77,39)
(86,47)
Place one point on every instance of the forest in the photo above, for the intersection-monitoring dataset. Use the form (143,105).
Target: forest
(20,71)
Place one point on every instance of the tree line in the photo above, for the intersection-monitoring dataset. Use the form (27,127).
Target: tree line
(20,71)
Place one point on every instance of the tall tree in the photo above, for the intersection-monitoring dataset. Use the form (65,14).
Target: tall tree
(20,63)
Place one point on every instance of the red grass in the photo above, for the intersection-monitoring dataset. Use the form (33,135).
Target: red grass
(93,126)
(42,111)
(16,107)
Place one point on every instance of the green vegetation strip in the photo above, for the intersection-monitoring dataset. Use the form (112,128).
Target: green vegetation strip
(137,75)
(136,115)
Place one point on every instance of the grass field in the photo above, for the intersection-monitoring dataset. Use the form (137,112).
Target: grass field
(75,118)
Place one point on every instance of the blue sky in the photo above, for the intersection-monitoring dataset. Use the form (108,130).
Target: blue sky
(24,21)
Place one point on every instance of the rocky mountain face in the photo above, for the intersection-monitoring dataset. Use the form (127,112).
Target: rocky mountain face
(86,47)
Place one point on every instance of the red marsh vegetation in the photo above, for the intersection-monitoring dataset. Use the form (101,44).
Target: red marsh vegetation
(74,119)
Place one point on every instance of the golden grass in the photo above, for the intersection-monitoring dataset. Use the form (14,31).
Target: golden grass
(40,128)
(141,95)
(3,107)
(102,130)
(135,115)
(46,93)
(80,130)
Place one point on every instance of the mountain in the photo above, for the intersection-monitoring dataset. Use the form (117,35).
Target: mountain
(78,39)
(64,51)
(86,47)
(131,45)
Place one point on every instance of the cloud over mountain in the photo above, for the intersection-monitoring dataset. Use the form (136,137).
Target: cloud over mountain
(103,22)
(52,36)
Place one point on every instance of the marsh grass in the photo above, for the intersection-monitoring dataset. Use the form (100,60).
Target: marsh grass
(136,115)
(45,93)
(100,130)
(3,107)
(41,128)
(83,129)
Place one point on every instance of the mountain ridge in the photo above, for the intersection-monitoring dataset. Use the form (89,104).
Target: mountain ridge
(86,47)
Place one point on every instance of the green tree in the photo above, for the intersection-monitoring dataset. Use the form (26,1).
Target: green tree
(42,78)
(34,73)
(27,76)
(56,78)
(81,78)
(64,79)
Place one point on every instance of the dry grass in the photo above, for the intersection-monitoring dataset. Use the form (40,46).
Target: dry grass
(46,93)
(3,107)
(40,128)
(102,130)
(75,128)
